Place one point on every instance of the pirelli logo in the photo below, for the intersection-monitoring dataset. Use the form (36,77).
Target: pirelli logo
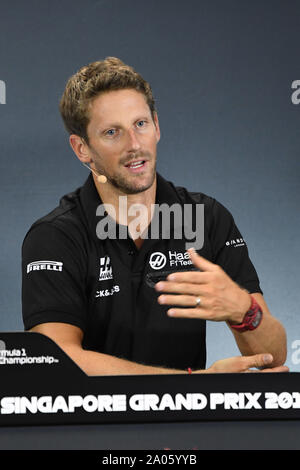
(44,266)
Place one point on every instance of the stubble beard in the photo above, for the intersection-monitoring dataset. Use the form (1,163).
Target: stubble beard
(133,186)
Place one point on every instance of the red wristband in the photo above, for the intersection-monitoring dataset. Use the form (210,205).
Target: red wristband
(251,319)
(189,370)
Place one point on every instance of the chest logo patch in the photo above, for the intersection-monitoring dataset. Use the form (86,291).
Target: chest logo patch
(157,260)
(105,269)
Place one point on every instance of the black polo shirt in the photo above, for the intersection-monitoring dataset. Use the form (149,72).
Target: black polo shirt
(106,286)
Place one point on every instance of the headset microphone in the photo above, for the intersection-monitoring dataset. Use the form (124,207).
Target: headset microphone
(100,178)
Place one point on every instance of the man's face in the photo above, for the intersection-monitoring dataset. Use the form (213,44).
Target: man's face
(123,139)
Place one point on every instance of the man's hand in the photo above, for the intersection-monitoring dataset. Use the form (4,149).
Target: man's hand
(244,364)
(221,299)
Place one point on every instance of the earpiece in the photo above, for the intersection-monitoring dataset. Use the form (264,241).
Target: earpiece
(100,178)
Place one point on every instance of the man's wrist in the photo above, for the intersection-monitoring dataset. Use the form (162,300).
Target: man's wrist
(252,317)
(244,305)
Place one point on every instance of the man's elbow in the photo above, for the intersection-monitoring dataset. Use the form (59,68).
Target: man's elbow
(280,352)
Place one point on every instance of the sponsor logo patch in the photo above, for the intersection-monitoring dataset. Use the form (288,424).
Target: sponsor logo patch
(236,242)
(157,260)
(175,258)
(45,266)
(105,269)
(107,292)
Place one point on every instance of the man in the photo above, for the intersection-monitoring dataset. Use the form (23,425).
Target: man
(136,304)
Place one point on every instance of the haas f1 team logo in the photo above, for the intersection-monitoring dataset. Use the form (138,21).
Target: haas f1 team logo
(175,258)
(157,260)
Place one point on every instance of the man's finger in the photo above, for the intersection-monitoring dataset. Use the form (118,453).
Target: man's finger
(258,360)
(179,288)
(189,313)
(193,277)
(180,300)
(200,262)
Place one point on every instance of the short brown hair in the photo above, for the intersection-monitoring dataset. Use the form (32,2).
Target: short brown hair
(91,80)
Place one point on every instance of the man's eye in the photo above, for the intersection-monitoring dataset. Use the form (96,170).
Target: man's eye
(141,123)
(110,132)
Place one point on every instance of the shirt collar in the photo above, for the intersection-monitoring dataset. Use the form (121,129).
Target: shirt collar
(90,199)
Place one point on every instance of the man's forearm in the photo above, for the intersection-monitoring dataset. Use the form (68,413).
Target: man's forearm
(69,339)
(94,363)
(269,337)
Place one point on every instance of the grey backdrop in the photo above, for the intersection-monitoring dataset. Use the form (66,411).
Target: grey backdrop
(221,72)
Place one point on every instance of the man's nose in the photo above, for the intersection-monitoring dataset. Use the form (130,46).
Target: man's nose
(133,140)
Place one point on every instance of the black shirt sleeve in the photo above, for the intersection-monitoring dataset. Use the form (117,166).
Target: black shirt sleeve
(53,278)
(230,250)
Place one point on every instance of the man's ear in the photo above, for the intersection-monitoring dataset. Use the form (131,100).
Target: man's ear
(80,148)
(157,128)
